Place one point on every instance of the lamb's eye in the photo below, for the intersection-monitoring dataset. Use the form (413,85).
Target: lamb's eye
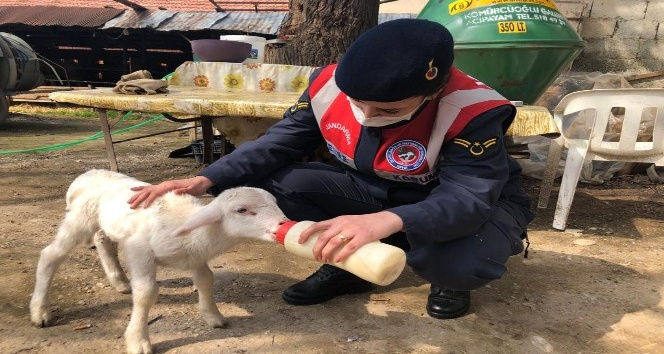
(241,210)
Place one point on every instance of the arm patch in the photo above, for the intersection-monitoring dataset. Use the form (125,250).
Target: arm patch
(476,148)
(299,105)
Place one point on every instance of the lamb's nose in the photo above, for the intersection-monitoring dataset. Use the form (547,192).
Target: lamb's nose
(283,221)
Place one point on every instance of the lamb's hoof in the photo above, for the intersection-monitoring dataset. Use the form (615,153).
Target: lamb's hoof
(220,324)
(140,350)
(215,321)
(139,347)
(41,318)
(122,288)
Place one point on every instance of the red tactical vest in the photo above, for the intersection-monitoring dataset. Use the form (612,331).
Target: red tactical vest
(409,152)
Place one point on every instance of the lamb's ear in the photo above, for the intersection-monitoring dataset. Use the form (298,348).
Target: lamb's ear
(205,216)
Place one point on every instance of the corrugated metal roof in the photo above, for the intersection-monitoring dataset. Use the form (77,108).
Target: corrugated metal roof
(252,22)
(142,19)
(173,5)
(192,21)
(253,5)
(96,4)
(56,16)
(264,22)
(162,20)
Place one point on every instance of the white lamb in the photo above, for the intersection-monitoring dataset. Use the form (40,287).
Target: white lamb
(177,231)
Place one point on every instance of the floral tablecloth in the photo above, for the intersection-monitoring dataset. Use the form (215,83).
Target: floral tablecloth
(243,77)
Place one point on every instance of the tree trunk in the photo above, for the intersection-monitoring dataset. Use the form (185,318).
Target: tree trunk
(321,30)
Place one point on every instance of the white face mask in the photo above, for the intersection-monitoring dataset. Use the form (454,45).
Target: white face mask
(379,121)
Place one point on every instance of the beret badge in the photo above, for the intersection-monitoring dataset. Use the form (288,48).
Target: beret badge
(432,72)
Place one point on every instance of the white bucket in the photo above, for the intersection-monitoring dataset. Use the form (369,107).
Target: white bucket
(257,46)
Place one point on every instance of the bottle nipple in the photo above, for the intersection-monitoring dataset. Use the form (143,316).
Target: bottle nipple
(283,230)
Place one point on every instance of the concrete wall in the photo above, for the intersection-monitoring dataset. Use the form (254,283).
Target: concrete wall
(622,36)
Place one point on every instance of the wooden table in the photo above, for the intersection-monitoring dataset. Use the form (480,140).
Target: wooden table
(207,105)
(181,104)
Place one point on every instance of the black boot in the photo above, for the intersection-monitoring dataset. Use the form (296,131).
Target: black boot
(447,304)
(327,282)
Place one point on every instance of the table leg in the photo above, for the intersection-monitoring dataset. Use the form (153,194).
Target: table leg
(108,139)
(193,131)
(208,139)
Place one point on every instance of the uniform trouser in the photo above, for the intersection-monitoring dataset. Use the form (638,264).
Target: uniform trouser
(316,191)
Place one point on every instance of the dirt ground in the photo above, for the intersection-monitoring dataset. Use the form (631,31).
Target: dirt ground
(597,288)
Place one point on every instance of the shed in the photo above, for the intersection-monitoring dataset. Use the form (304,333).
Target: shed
(94,42)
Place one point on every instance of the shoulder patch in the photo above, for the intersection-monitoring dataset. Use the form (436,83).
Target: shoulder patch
(299,106)
(476,148)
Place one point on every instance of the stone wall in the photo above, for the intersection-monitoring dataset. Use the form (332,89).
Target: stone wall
(622,36)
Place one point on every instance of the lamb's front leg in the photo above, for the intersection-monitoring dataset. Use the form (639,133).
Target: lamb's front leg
(204,283)
(70,233)
(144,295)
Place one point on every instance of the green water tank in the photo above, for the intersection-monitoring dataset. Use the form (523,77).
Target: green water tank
(518,47)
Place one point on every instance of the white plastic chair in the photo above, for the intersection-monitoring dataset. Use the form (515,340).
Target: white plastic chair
(628,148)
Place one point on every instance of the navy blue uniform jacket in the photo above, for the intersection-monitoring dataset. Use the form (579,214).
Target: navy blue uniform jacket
(455,205)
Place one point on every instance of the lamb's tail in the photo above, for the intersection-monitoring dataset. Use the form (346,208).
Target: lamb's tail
(86,182)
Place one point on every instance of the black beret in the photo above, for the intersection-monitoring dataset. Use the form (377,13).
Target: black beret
(396,60)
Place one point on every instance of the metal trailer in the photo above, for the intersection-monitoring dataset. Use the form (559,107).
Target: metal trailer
(19,70)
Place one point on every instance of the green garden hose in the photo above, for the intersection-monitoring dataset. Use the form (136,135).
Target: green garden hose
(90,138)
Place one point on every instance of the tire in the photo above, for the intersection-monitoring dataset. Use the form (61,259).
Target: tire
(4,109)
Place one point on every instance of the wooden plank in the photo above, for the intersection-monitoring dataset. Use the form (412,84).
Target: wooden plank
(30,100)
(650,75)
(40,94)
